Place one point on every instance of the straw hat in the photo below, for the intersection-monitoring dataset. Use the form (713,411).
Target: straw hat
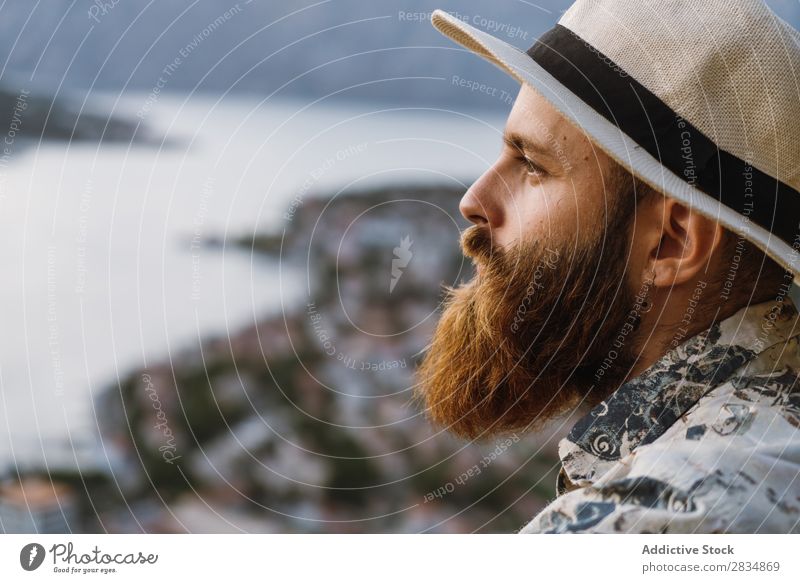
(701,100)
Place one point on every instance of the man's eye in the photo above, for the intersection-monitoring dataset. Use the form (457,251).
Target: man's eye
(532,168)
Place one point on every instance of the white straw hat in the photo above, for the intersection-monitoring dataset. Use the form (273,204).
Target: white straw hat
(701,100)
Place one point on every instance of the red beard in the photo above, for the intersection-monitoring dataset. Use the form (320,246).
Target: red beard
(532,335)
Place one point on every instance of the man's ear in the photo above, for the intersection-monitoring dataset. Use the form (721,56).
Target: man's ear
(682,243)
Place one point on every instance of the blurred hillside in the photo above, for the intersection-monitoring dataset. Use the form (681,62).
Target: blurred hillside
(38,115)
(365,50)
(330,49)
(353,48)
(347,49)
(304,422)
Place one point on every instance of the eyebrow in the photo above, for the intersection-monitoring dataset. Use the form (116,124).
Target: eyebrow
(525,144)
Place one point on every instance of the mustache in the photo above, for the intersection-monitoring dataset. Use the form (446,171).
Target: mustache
(494,261)
(476,243)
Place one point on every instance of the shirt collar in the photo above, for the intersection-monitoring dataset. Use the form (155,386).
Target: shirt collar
(642,409)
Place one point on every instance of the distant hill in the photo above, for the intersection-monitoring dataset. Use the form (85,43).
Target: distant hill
(344,49)
(351,48)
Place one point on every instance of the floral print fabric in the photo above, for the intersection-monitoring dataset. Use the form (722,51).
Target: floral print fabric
(704,441)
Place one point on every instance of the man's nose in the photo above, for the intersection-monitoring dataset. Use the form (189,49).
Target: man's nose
(479,204)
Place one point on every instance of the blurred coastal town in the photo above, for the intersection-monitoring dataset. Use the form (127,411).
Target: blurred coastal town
(305,421)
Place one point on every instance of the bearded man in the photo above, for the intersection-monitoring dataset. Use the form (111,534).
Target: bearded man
(635,246)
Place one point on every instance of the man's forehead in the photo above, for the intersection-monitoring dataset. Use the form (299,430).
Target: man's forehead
(539,129)
(533,117)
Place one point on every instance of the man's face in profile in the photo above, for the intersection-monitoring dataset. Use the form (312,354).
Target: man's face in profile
(537,331)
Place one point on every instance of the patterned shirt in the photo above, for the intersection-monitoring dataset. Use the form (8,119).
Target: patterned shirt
(704,441)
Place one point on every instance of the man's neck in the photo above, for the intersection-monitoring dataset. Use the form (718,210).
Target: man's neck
(681,314)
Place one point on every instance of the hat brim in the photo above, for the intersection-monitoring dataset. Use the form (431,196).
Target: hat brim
(609,138)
